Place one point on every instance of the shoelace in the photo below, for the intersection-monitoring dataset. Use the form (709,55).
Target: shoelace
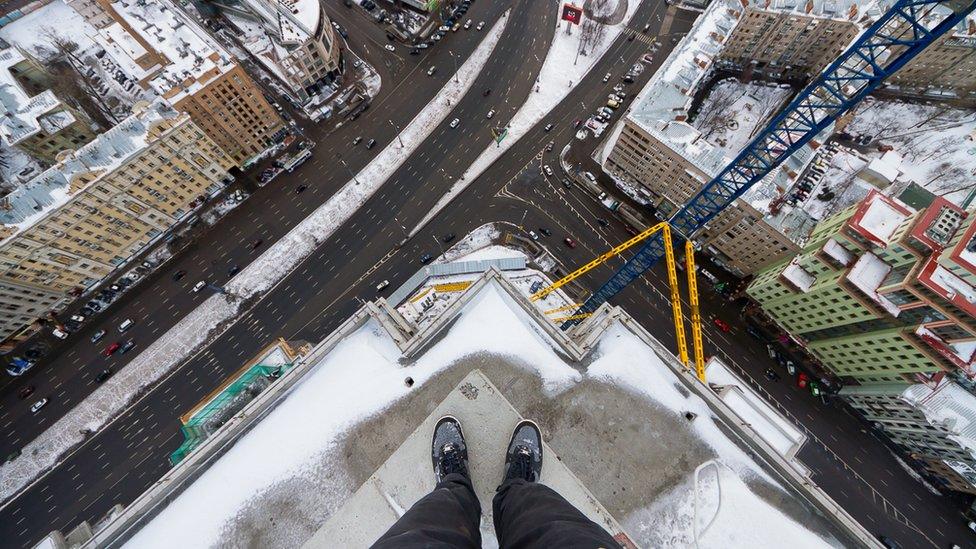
(450,459)
(521,464)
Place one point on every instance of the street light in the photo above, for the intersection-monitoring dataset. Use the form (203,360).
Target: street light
(451,53)
(343,162)
(395,127)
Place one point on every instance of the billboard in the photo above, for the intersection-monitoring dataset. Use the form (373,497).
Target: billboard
(572,13)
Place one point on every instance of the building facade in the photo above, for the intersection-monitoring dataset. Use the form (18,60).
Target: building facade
(79,220)
(168,54)
(295,41)
(882,293)
(34,119)
(669,163)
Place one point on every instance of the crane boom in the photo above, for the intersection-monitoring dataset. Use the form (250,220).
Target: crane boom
(899,35)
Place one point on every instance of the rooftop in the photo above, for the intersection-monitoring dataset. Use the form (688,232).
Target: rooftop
(377,378)
(194,58)
(51,189)
(950,406)
(878,217)
(25,115)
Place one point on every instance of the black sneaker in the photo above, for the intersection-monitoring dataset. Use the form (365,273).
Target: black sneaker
(449,451)
(524,457)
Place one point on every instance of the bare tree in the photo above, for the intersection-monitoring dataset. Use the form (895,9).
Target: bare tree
(715,111)
(70,80)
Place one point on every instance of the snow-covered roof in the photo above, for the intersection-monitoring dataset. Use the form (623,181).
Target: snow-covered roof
(798,276)
(194,58)
(301,461)
(947,405)
(290,21)
(25,115)
(867,274)
(839,253)
(124,50)
(850,10)
(887,168)
(878,217)
(43,194)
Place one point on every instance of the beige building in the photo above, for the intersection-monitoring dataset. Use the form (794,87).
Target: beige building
(34,120)
(294,40)
(165,51)
(948,64)
(668,164)
(76,222)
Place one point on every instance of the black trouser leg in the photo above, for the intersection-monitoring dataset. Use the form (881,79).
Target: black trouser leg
(449,516)
(532,515)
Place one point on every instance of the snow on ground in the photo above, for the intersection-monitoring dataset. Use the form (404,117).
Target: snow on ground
(841,178)
(476,239)
(560,72)
(180,342)
(733,111)
(938,142)
(32,31)
(15,162)
(291,449)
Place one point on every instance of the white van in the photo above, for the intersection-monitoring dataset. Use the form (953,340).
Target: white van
(126,324)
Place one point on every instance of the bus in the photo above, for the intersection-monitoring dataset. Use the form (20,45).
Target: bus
(297,160)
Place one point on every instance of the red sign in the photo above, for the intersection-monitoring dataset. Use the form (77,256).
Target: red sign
(572,14)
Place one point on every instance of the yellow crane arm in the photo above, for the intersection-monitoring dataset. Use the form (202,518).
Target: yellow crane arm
(696,333)
(597,262)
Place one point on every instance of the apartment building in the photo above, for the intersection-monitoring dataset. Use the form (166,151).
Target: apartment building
(792,39)
(935,424)
(882,293)
(168,54)
(34,120)
(667,161)
(77,221)
(293,39)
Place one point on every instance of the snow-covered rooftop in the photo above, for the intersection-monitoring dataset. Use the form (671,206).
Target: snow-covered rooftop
(950,406)
(124,50)
(25,115)
(798,276)
(867,274)
(626,384)
(878,217)
(38,197)
(840,254)
(194,58)
(291,21)
(851,10)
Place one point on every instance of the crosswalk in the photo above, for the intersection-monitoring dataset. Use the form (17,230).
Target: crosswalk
(641,37)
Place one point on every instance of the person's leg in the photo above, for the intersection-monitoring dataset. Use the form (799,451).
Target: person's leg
(528,514)
(449,516)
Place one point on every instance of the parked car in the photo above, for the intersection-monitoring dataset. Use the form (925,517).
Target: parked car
(36,407)
(431,70)
(233,270)
(455,122)
(382,285)
(533,236)
(490,114)
(548,127)
(256,244)
(199,286)
(569,242)
(467,24)
(548,170)
(448,237)
(370,144)
(722,325)
(59,333)
(357,140)
(127,346)
(426,258)
(78,318)
(606,78)
(103,375)
(178,275)
(481,25)
(110,350)
(97,336)
(549,146)
(602,222)
(25,392)
(389,47)
(545,231)
(566,183)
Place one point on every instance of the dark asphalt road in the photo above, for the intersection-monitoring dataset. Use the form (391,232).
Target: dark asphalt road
(124,458)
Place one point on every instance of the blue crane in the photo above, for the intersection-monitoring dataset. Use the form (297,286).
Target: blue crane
(894,39)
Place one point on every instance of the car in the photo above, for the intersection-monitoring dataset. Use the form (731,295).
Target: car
(646,27)
(178,275)
(456,27)
(771,375)
(426,258)
(448,237)
(78,318)
(389,47)
(34,353)
(481,25)
(455,122)
(603,222)
(59,333)
(722,325)
(127,346)
(94,305)
(566,183)
(582,134)
(25,392)
(628,78)
(110,350)
(444,28)
(436,36)
(199,286)
(103,375)
(370,144)
(357,141)
(97,336)
(802,380)
(382,285)
(569,242)
(256,244)
(431,70)
(577,122)
(467,24)
(589,176)
(300,189)
(606,78)
(415,51)
(490,114)
(233,270)
(87,311)
(888,542)
(548,127)
(549,146)
(614,97)
(545,231)
(486,93)
(533,236)
(612,104)
(548,170)
(36,407)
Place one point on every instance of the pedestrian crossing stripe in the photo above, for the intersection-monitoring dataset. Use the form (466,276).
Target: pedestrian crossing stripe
(649,40)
